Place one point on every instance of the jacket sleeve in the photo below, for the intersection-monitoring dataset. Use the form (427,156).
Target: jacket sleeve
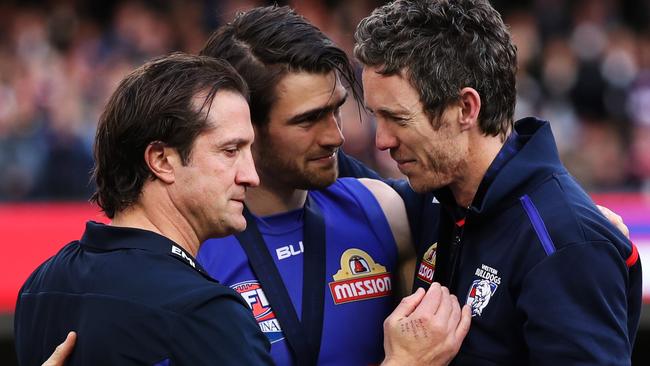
(220,330)
(575,304)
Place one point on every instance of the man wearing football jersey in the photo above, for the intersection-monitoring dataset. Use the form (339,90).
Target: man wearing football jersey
(320,260)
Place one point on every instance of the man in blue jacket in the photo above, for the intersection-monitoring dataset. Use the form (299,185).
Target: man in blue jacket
(175,129)
(548,278)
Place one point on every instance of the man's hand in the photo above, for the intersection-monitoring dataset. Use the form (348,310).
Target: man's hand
(426,328)
(62,351)
(615,219)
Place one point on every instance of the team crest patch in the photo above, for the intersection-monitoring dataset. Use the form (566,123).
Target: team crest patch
(254,296)
(482,289)
(428,264)
(359,278)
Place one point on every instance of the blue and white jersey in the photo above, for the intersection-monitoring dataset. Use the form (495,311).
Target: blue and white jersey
(361,258)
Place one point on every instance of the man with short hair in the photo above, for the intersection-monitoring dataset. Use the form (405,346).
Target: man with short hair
(548,278)
(173,163)
(319,263)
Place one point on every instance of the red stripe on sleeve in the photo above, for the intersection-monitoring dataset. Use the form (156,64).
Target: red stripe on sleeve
(633,258)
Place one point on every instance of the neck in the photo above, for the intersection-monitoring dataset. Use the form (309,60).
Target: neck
(160,216)
(482,151)
(266,200)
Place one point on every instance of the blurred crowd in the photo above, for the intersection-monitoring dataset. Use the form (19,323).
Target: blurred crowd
(584,65)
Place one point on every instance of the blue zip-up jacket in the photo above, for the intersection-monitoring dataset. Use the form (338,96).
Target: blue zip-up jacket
(550,281)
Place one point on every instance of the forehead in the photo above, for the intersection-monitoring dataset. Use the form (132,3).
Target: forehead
(299,92)
(388,91)
(228,116)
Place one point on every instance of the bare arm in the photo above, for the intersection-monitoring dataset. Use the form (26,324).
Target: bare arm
(395,212)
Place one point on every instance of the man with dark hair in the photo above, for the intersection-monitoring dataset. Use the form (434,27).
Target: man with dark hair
(173,163)
(549,280)
(295,75)
(320,257)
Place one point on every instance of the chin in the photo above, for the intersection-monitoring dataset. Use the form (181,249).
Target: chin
(322,182)
(422,185)
(417,187)
(317,180)
(230,228)
(238,227)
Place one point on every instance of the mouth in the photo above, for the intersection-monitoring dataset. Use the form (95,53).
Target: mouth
(404,163)
(239,199)
(325,157)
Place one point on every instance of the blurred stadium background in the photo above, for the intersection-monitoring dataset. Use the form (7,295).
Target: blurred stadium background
(584,65)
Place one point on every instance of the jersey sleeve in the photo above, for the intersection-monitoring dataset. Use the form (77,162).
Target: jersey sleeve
(220,330)
(575,305)
(351,167)
(420,210)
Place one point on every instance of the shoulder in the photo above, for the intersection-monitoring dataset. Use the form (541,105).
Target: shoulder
(51,270)
(221,328)
(394,210)
(157,280)
(562,213)
(188,290)
(387,198)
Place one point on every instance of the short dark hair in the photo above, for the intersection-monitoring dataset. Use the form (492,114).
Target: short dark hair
(444,46)
(266,43)
(154,103)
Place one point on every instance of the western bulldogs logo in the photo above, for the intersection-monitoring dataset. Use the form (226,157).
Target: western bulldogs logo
(254,296)
(482,289)
(479,295)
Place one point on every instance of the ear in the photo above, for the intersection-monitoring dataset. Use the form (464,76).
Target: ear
(470,106)
(161,161)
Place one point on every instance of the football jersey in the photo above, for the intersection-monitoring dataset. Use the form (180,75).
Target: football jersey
(361,258)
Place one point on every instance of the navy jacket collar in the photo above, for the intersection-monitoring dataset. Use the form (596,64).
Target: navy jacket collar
(523,161)
(102,237)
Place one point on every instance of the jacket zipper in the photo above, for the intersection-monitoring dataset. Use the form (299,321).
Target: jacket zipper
(456,245)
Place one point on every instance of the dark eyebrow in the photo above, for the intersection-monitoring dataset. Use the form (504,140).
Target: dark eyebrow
(235,142)
(389,113)
(316,113)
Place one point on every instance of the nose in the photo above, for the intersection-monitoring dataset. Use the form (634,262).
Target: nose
(246,174)
(332,135)
(384,138)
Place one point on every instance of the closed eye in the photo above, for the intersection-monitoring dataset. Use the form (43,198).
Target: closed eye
(398,120)
(231,152)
